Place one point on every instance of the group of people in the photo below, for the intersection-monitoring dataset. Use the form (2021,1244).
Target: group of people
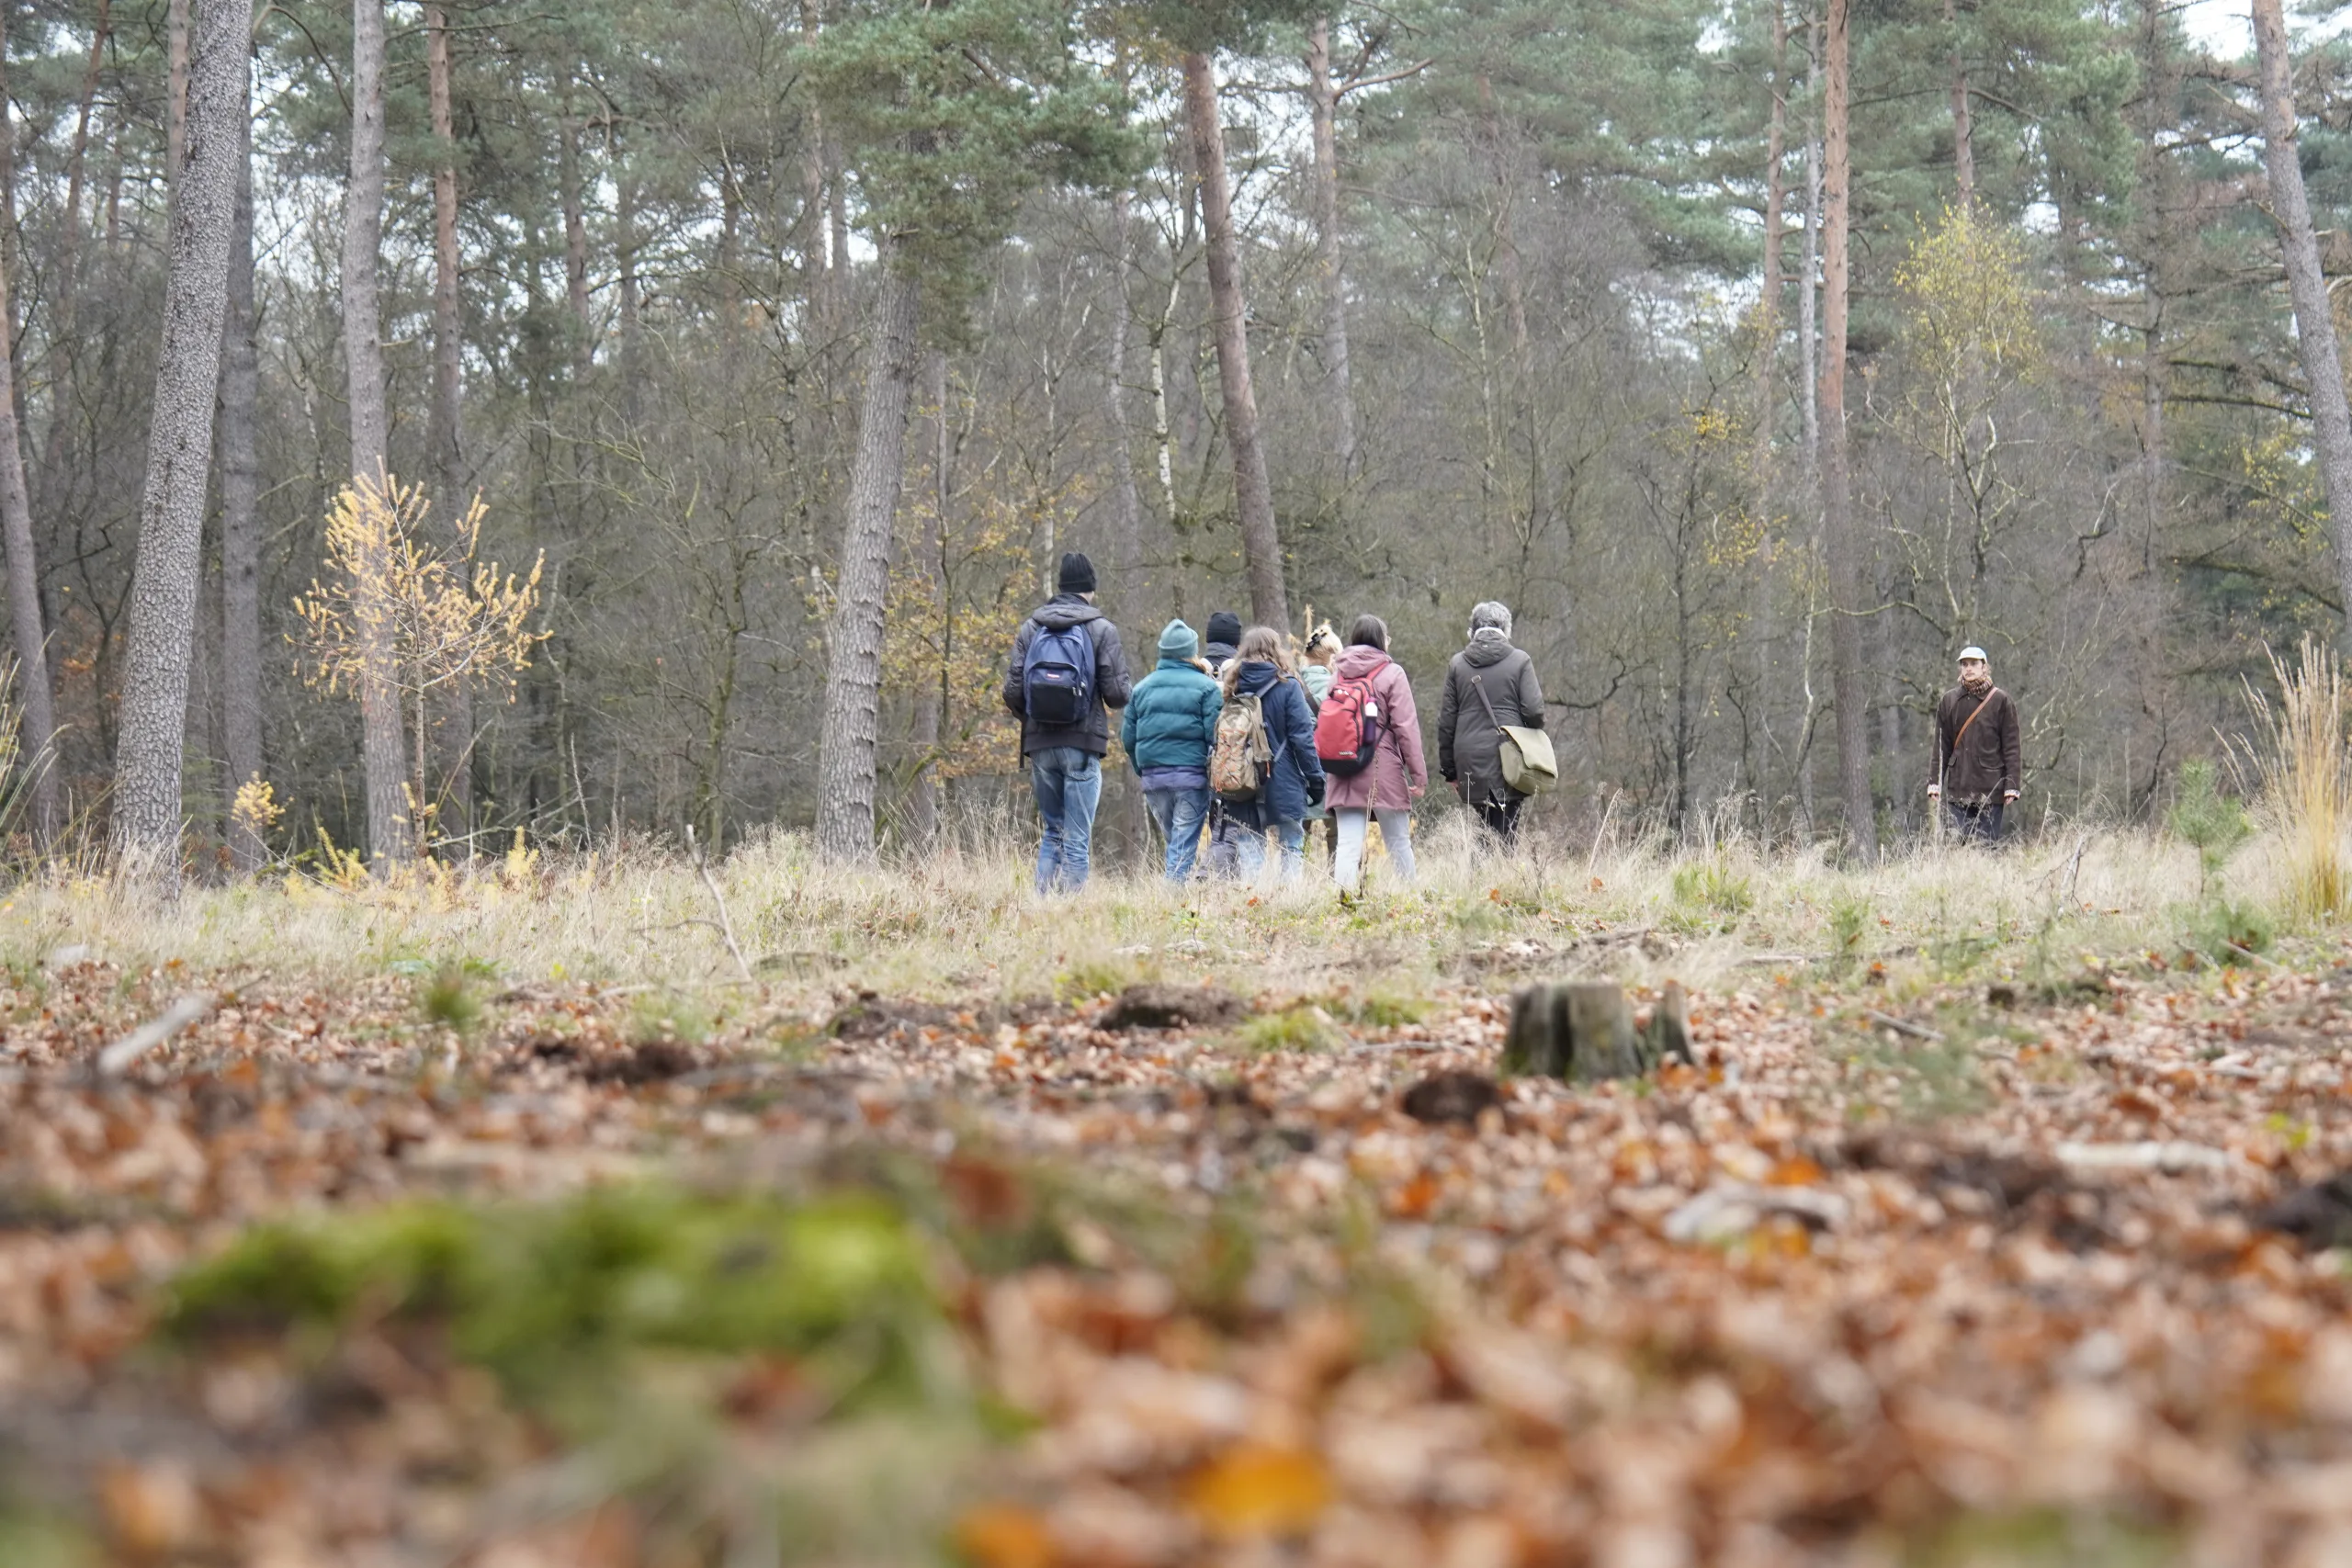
(1252,735)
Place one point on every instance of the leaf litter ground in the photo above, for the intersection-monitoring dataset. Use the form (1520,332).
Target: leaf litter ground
(322,1282)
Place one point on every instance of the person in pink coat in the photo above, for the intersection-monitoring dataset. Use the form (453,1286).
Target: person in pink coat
(1385,791)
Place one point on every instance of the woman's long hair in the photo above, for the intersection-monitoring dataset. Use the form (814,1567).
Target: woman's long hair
(1259,645)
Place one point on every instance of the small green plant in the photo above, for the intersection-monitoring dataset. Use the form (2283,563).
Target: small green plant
(1377,1009)
(1711,884)
(1849,923)
(2230,932)
(1304,1027)
(447,997)
(670,1015)
(1097,975)
(2202,815)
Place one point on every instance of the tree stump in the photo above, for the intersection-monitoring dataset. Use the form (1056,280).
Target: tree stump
(1584,1033)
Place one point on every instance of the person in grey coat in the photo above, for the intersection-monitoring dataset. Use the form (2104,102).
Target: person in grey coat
(1469,743)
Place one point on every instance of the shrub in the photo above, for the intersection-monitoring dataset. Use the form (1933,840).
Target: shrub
(2202,815)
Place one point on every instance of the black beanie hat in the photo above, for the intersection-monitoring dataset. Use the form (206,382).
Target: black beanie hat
(1225,626)
(1078,574)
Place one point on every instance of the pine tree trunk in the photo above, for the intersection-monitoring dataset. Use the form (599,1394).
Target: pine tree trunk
(1768,299)
(575,245)
(1261,547)
(1849,680)
(37,724)
(1323,107)
(171,512)
(384,745)
(2314,323)
(1768,359)
(240,515)
(930,697)
(445,428)
(845,747)
(65,268)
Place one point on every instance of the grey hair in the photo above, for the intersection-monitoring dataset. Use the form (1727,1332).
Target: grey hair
(1491,613)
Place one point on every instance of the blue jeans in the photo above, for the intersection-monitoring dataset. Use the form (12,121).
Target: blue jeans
(1068,784)
(1292,834)
(1180,813)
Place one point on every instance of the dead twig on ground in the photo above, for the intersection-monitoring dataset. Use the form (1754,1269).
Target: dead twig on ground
(725,924)
(119,1057)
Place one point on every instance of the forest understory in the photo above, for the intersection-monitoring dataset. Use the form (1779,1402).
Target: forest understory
(1990,1222)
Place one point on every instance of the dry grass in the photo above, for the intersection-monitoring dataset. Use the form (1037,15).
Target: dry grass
(963,922)
(2298,765)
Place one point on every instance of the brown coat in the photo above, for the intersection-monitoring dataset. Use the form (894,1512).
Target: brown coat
(1985,765)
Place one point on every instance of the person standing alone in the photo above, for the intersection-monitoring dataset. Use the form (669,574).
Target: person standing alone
(1975,771)
(1068,671)
(1489,684)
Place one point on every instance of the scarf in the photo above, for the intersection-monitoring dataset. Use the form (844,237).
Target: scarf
(1976,685)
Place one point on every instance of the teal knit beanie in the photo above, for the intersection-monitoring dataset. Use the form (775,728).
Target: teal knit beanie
(1177,641)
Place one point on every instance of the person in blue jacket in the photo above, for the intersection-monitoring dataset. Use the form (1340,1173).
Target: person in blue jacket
(1262,668)
(1170,725)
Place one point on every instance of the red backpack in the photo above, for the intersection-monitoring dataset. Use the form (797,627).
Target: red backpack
(1347,729)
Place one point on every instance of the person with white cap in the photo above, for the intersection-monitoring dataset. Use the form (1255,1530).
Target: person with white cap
(1976,771)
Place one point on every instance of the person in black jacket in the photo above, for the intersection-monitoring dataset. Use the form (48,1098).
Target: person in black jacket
(1066,758)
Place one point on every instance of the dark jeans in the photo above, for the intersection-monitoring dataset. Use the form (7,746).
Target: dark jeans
(1979,823)
(1501,817)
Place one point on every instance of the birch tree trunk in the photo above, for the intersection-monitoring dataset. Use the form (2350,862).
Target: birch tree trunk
(384,745)
(240,510)
(846,743)
(2315,322)
(1963,134)
(1849,681)
(170,513)
(175,88)
(36,725)
(816,262)
(1323,106)
(1261,547)
(1126,505)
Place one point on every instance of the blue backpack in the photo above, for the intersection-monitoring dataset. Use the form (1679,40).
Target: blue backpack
(1058,675)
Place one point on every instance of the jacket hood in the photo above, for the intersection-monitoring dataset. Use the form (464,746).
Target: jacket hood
(1484,654)
(1063,610)
(1257,678)
(1354,663)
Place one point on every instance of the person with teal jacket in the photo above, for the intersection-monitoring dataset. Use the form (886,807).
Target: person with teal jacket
(1169,726)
